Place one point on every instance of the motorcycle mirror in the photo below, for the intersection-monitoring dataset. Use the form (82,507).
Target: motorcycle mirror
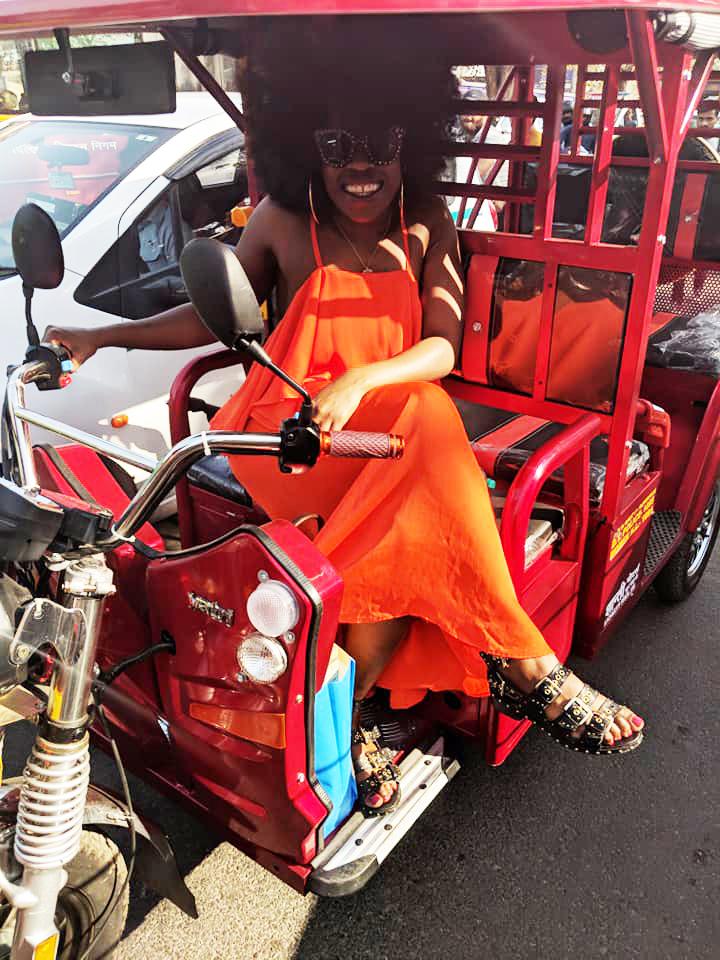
(220,291)
(37,249)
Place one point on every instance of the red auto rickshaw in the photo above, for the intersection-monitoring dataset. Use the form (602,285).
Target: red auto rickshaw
(589,384)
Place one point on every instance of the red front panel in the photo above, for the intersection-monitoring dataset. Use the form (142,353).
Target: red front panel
(255,742)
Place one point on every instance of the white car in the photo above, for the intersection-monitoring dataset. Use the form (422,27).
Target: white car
(126,193)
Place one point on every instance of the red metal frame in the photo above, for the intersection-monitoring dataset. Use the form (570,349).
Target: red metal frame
(20,17)
(178,407)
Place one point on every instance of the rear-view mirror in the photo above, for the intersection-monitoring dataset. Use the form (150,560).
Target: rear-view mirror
(63,155)
(134,78)
(220,291)
(37,249)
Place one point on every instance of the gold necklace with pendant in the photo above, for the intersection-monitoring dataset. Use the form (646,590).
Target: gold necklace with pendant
(366,264)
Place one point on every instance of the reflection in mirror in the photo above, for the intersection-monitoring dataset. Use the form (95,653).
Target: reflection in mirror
(588,329)
(515,324)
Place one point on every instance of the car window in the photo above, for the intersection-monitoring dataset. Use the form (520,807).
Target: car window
(225,170)
(140,274)
(65,167)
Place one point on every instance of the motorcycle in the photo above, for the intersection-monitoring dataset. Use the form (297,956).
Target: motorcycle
(67,886)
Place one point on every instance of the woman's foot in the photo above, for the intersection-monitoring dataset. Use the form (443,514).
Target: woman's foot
(551,695)
(375,773)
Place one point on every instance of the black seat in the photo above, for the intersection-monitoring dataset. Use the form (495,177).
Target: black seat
(501,453)
(215,475)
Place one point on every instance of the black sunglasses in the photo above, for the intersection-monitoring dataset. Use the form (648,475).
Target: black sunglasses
(337,147)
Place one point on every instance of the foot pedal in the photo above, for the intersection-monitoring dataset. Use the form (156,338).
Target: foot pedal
(359,847)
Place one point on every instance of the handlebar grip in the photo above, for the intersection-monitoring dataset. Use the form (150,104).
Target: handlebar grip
(354,443)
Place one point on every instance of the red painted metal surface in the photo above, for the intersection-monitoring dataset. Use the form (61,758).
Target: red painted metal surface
(569,449)
(178,402)
(701,467)
(29,15)
(271,789)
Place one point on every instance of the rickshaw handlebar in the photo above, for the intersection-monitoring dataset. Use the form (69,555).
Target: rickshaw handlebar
(353,443)
(165,473)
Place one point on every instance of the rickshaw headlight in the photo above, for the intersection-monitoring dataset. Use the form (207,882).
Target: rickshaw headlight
(272,608)
(262,659)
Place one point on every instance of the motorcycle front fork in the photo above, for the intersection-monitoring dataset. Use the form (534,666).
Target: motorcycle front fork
(57,773)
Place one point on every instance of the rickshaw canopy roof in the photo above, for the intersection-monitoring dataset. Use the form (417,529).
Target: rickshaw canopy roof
(25,17)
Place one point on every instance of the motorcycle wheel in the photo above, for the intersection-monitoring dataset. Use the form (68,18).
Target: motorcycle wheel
(682,573)
(96,877)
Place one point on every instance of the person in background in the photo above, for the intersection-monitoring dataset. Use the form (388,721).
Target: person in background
(566,127)
(708,118)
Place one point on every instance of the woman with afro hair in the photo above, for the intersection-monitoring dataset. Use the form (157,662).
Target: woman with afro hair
(365,264)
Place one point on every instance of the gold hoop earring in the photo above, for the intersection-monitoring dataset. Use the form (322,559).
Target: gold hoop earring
(310,201)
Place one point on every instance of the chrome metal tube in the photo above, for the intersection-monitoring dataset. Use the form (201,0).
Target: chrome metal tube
(56,777)
(20,432)
(86,585)
(180,459)
(143,461)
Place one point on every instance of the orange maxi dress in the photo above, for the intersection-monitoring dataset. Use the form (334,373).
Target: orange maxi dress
(414,537)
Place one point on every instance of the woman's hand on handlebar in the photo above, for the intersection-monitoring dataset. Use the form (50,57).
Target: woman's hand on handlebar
(336,403)
(80,343)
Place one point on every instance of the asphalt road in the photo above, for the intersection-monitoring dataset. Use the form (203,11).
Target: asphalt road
(551,856)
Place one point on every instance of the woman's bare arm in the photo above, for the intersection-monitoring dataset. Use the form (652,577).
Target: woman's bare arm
(436,354)
(179,328)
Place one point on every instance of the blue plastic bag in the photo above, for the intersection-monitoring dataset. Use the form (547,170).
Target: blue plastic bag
(333,723)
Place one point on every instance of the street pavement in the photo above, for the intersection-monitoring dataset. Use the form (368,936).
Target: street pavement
(553,855)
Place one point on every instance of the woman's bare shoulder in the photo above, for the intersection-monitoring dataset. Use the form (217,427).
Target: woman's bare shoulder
(431,211)
(429,220)
(270,216)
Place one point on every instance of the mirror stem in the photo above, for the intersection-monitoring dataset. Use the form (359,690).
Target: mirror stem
(257,353)
(31,331)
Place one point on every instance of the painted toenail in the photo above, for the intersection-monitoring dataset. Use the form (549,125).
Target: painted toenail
(637,721)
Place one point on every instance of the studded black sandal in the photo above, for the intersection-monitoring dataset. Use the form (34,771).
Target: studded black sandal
(578,712)
(376,767)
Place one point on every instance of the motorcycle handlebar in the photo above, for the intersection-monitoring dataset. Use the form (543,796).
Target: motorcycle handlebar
(362,445)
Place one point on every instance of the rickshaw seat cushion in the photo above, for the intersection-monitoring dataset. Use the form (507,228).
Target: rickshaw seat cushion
(81,472)
(502,443)
(214,474)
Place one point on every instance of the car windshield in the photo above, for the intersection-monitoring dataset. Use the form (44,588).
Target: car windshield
(65,167)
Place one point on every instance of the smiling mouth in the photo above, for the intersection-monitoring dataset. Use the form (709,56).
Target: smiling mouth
(362,190)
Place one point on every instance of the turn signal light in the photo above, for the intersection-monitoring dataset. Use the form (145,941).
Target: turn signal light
(119,420)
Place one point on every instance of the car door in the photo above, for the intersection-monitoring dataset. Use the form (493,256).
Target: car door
(139,276)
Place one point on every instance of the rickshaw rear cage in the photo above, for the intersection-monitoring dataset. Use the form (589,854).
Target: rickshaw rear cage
(670,79)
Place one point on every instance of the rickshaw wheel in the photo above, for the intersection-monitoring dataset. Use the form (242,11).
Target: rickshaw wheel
(92,906)
(683,571)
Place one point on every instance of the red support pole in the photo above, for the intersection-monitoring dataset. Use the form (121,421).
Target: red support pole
(603,156)
(642,45)
(661,177)
(549,154)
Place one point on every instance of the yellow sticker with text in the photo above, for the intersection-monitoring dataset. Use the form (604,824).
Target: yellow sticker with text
(631,526)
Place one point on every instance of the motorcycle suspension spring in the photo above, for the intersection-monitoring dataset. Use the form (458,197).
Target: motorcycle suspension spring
(52,803)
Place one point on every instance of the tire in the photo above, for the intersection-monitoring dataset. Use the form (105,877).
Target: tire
(96,877)
(683,571)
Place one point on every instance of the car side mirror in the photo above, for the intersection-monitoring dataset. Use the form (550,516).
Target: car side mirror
(37,249)
(220,291)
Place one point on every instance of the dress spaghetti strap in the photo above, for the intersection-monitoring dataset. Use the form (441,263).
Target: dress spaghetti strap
(405,238)
(315,244)
(406,242)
